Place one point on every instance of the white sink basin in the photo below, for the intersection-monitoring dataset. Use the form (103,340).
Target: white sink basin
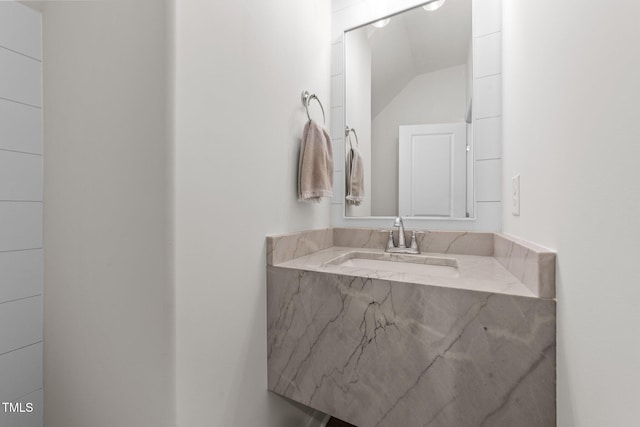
(421,265)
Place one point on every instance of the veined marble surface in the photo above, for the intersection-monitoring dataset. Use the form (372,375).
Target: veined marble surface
(477,273)
(455,242)
(384,347)
(533,265)
(283,247)
(378,353)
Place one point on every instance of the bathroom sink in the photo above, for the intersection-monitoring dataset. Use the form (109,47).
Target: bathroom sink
(422,265)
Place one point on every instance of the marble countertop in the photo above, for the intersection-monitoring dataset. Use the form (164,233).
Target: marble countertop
(476,273)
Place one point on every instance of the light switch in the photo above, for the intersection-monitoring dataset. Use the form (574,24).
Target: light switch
(515,195)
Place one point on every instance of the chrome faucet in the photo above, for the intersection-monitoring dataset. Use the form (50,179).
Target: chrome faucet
(400,224)
(402,245)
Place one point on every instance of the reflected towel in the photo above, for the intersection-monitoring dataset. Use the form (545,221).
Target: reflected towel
(355,177)
(315,169)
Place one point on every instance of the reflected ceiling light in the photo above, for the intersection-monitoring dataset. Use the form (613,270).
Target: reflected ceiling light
(381,23)
(433,5)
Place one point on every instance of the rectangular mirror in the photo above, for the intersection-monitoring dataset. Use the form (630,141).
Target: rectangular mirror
(353,99)
(408,85)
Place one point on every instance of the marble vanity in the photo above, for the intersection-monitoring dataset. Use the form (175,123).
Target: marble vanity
(465,336)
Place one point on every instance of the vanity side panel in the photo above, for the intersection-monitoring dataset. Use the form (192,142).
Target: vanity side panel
(380,353)
(533,265)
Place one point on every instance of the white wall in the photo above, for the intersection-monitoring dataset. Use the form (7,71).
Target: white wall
(571,131)
(21,263)
(358,112)
(108,294)
(240,69)
(437,97)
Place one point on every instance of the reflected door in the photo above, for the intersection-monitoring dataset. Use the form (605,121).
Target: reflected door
(432,170)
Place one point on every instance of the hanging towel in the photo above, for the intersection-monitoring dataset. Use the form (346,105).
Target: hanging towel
(315,169)
(355,177)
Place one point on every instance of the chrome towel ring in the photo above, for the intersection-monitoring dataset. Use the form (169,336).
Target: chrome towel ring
(306,99)
(347,131)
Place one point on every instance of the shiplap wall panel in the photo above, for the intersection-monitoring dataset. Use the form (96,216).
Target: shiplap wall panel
(20,323)
(488,138)
(20,127)
(487,17)
(487,104)
(489,180)
(20,176)
(487,100)
(20,78)
(488,53)
(22,274)
(20,226)
(20,372)
(20,29)
(31,419)
(21,186)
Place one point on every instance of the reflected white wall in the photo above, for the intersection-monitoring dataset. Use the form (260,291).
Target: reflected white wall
(358,110)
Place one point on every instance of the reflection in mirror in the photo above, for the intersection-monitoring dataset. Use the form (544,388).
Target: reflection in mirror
(408,89)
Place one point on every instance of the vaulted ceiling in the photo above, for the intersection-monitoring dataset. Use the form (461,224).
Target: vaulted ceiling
(417,42)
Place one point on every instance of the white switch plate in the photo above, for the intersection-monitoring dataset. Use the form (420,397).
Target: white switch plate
(515,195)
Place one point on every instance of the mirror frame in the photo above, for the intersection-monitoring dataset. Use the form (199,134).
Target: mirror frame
(487,113)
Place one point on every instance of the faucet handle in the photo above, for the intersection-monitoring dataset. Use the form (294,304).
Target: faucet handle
(414,242)
(390,243)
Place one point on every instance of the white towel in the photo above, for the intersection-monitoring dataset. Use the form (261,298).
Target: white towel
(355,177)
(315,169)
